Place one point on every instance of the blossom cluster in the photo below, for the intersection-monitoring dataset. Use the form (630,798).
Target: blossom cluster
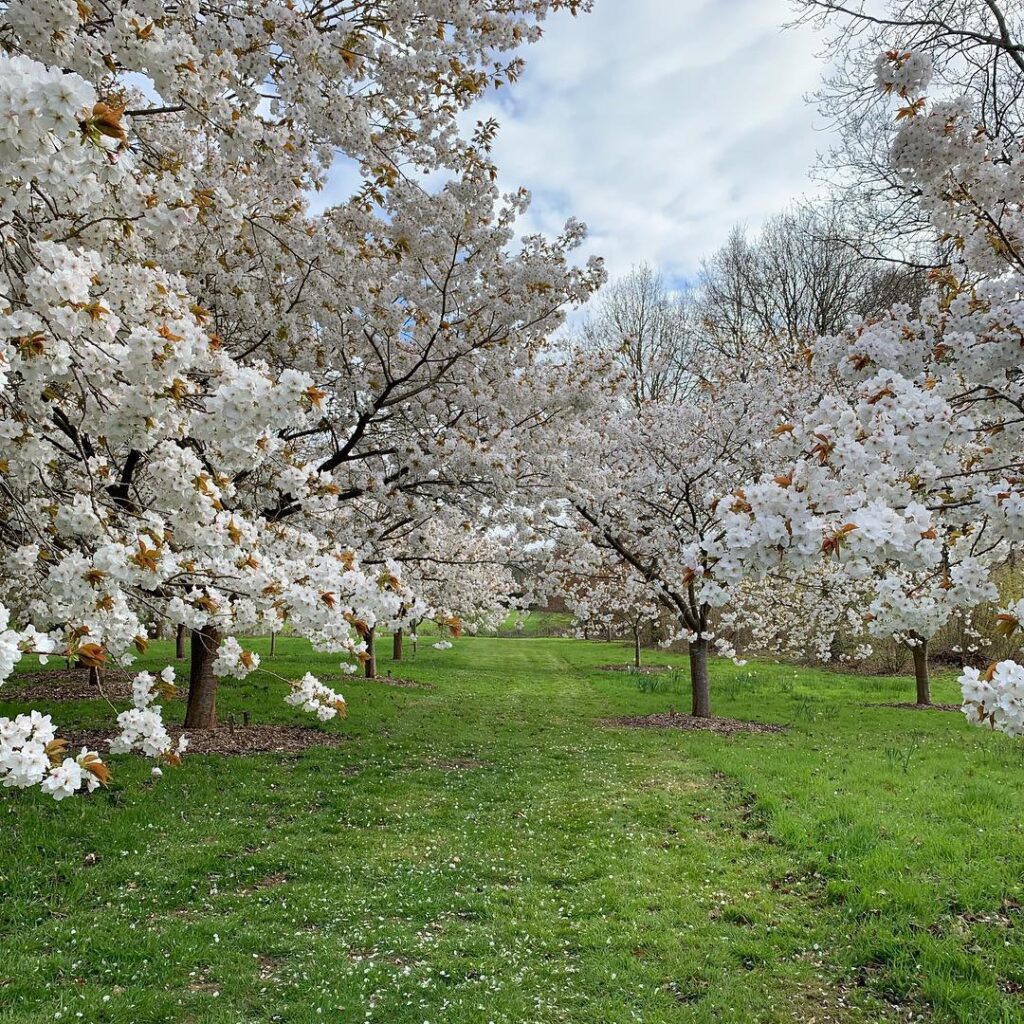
(32,755)
(995,697)
(905,73)
(314,697)
(142,727)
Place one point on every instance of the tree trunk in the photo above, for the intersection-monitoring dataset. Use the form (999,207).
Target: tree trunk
(636,646)
(179,643)
(700,685)
(201,709)
(396,646)
(273,644)
(924,689)
(370,665)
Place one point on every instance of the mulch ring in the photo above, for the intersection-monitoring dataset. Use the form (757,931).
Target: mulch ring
(225,739)
(645,669)
(68,684)
(673,720)
(405,684)
(908,706)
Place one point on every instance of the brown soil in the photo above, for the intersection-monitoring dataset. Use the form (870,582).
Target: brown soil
(406,684)
(672,720)
(240,740)
(68,684)
(906,705)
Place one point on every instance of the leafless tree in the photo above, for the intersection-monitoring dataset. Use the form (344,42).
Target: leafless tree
(800,277)
(649,333)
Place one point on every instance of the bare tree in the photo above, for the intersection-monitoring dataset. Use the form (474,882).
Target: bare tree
(801,276)
(648,332)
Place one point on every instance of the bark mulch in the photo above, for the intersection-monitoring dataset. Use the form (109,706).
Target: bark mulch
(908,706)
(68,684)
(674,720)
(646,669)
(240,740)
(405,684)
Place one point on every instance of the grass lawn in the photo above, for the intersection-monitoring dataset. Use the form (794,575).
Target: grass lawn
(485,851)
(536,624)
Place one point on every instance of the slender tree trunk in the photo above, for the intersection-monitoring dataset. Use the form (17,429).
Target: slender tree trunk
(608,634)
(179,643)
(700,685)
(636,646)
(396,646)
(95,677)
(273,644)
(201,709)
(370,665)
(921,678)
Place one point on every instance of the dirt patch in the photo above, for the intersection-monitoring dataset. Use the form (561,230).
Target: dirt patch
(241,740)
(671,720)
(271,881)
(907,706)
(202,982)
(268,966)
(405,684)
(68,684)
(648,670)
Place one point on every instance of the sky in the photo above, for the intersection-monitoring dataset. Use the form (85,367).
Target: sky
(661,124)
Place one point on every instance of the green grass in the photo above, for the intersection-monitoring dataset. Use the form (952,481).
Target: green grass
(536,624)
(484,851)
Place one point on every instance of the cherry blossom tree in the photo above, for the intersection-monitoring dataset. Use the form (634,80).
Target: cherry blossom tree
(465,574)
(648,332)
(818,614)
(835,610)
(918,460)
(187,416)
(646,490)
(603,591)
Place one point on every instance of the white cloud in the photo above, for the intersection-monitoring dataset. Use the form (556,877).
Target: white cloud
(661,123)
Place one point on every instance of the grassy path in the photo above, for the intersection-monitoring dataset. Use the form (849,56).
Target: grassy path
(483,851)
